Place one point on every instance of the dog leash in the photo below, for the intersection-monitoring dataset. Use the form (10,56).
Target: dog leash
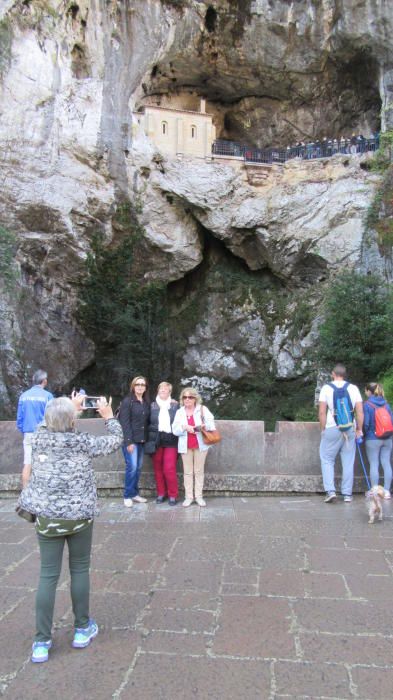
(358,443)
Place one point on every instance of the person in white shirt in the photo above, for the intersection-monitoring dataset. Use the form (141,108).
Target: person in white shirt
(333,440)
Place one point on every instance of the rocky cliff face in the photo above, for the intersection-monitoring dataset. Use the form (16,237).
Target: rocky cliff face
(72,73)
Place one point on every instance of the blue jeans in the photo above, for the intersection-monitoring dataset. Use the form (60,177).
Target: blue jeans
(333,443)
(379,451)
(133,462)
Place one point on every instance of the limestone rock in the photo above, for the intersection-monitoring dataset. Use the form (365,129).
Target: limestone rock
(272,73)
(309,216)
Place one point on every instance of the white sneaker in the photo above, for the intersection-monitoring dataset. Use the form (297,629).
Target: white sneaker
(187,502)
(201,502)
(128,502)
(347,499)
(387,495)
(139,499)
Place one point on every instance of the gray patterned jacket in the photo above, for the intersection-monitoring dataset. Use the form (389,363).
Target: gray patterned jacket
(62,482)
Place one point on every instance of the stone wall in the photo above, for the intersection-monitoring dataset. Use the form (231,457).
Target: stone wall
(248,460)
(178,131)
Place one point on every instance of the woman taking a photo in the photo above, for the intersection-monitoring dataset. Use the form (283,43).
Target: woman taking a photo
(378,451)
(187,426)
(162,444)
(62,494)
(134,419)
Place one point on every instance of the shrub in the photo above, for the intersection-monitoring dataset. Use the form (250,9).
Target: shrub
(387,383)
(123,317)
(8,246)
(358,326)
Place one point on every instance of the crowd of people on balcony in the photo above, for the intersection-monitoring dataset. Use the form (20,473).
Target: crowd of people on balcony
(324,148)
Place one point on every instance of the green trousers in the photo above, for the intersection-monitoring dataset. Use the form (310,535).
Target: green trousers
(51,550)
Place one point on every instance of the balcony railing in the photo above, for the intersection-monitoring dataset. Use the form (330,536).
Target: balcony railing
(308,151)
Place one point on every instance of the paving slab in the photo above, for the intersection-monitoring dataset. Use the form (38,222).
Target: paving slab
(255,598)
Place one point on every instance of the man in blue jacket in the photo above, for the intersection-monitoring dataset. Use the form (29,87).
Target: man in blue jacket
(31,409)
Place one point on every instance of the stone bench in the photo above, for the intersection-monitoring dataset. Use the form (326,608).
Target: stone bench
(247,461)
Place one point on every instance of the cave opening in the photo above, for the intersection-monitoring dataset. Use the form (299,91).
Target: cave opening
(223,285)
(340,100)
(220,307)
(73,10)
(357,86)
(80,65)
(211,19)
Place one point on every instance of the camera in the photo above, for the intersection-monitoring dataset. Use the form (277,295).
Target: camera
(90,402)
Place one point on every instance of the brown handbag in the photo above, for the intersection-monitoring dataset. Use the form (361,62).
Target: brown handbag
(210,437)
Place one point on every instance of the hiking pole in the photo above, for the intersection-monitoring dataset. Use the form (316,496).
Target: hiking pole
(358,443)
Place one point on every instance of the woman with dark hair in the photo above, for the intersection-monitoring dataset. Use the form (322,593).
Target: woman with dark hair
(62,494)
(162,444)
(378,450)
(134,419)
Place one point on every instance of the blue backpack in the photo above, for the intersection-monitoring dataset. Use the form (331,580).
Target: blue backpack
(342,407)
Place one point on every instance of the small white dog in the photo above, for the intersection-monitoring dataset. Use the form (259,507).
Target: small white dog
(375,497)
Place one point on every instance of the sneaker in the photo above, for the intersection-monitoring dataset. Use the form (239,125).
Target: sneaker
(201,502)
(128,502)
(172,501)
(347,499)
(160,499)
(387,495)
(331,497)
(84,635)
(139,499)
(40,651)
(187,502)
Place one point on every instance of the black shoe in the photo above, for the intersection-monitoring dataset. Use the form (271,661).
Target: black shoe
(172,501)
(160,499)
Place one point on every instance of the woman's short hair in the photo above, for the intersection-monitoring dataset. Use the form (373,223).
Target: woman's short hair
(168,384)
(340,370)
(375,389)
(60,415)
(190,391)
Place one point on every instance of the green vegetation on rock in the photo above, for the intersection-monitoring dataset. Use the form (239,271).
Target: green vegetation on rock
(387,382)
(382,159)
(380,213)
(121,315)
(8,247)
(358,326)
(5,45)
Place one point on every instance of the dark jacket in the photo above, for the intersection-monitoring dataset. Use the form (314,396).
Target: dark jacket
(369,415)
(134,419)
(156,439)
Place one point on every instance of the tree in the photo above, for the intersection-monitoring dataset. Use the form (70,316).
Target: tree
(124,318)
(358,326)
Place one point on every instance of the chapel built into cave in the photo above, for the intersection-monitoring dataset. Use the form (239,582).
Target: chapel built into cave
(178,132)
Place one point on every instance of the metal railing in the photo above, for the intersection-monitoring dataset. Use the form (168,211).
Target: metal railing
(308,151)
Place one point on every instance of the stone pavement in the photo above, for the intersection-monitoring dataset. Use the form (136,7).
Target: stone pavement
(250,598)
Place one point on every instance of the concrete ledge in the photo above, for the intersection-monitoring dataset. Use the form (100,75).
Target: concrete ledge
(247,461)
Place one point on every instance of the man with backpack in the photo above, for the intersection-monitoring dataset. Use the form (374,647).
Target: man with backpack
(338,402)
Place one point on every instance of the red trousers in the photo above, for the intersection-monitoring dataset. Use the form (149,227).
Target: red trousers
(164,463)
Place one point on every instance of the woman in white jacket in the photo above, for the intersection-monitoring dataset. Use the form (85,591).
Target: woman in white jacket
(187,426)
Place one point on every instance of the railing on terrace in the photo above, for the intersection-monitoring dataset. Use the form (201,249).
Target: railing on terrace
(308,151)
